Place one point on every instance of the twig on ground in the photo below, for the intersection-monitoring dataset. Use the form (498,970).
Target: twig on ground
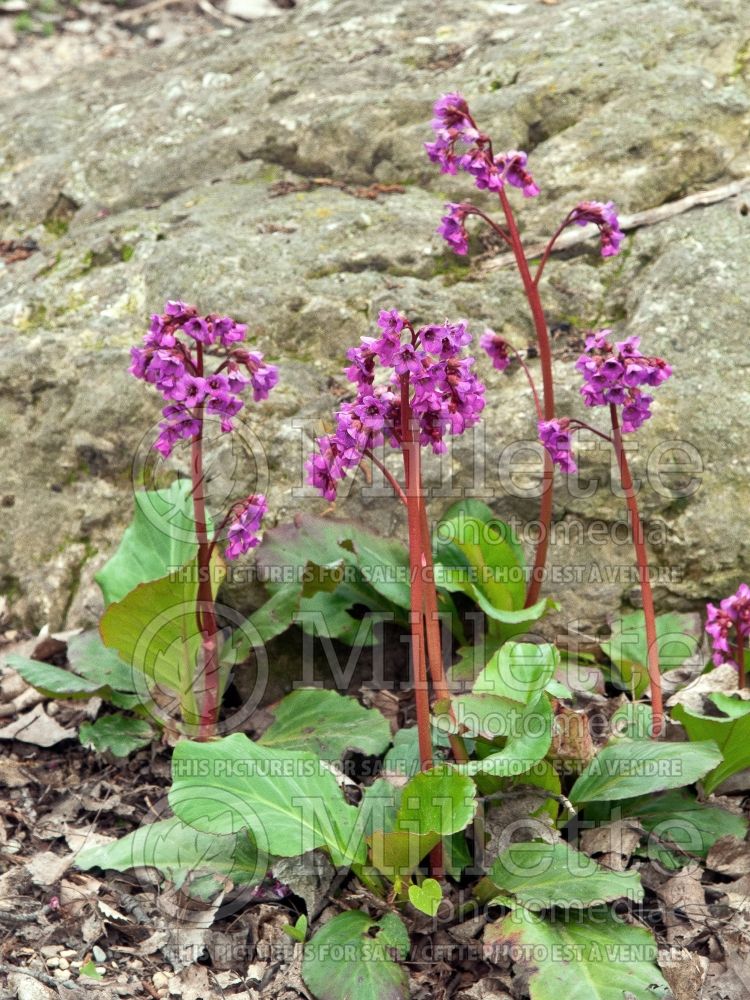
(649,217)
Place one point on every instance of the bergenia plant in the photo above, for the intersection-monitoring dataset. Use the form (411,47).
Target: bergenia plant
(195,362)
(729,629)
(615,376)
(460,144)
(413,387)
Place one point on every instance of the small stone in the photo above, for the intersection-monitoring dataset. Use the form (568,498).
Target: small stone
(249,10)
(63,963)
(99,954)
(53,962)
(50,950)
(68,953)
(101,969)
(159,980)
(62,974)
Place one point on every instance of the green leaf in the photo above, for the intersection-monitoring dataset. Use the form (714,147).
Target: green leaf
(90,658)
(181,853)
(626,768)
(154,630)
(54,682)
(327,724)
(160,539)
(352,957)
(402,759)
(730,732)
(433,804)
(588,956)
(288,800)
(519,671)
(677,638)
(89,971)
(264,624)
(529,737)
(289,552)
(118,733)
(298,930)
(679,818)
(542,875)
(483,553)
(426,897)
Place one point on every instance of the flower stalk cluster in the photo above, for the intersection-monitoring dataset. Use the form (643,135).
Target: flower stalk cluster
(173,359)
(729,629)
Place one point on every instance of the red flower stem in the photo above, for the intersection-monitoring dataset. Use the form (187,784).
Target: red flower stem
(545,358)
(578,424)
(740,656)
(548,249)
(644,577)
(432,629)
(473,210)
(204,599)
(388,475)
(410,450)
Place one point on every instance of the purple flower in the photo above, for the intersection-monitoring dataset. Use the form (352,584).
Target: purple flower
(556,438)
(517,174)
(604,216)
(243,531)
(201,329)
(452,228)
(227,331)
(497,349)
(615,373)
(191,390)
(733,614)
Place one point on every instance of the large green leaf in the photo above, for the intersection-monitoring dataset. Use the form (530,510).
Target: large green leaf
(519,671)
(54,682)
(433,804)
(529,736)
(180,852)
(589,956)
(90,658)
(677,637)
(354,957)
(288,800)
(731,733)
(291,551)
(627,768)
(327,724)
(160,539)
(542,875)
(155,631)
(117,733)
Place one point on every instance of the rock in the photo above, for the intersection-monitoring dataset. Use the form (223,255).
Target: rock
(154,177)
(250,10)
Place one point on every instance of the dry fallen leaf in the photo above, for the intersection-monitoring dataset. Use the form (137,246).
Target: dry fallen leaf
(729,856)
(38,728)
(47,868)
(684,971)
(613,843)
(684,909)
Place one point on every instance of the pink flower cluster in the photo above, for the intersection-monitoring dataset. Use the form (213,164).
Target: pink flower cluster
(459,143)
(615,373)
(243,533)
(497,348)
(556,437)
(605,217)
(175,366)
(732,614)
(445,396)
